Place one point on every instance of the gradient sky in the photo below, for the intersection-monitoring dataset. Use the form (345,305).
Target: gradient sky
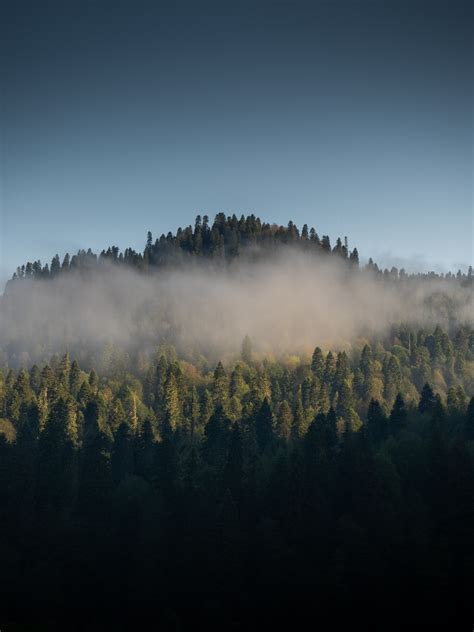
(353,116)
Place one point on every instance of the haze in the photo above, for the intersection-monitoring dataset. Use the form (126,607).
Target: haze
(287,304)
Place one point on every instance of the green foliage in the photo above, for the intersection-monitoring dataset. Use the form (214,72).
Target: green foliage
(320,484)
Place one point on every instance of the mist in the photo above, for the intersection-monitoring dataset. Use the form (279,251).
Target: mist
(286,304)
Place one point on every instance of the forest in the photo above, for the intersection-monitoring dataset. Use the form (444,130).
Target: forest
(166,462)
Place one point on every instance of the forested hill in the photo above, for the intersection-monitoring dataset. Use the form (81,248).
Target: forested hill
(226,239)
(203,289)
(158,461)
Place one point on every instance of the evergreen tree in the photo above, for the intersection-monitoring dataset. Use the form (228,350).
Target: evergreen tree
(342,372)
(95,475)
(299,420)
(427,402)
(283,421)
(75,378)
(376,421)
(93,381)
(43,408)
(221,386)
(35,379)
(195,411)
(216,439)
(238,385)
(64,370)
(329,370)
(207,407)
(317,363)
(57,469)
(264,426)
(172,405)
(131,410)
(398,415)
(161,376)
(392,378)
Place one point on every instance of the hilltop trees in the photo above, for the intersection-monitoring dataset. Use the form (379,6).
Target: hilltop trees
(227,238)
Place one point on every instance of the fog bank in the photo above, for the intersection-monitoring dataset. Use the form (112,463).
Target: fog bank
(287,304)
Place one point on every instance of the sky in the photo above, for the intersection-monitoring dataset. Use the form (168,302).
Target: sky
(353,116)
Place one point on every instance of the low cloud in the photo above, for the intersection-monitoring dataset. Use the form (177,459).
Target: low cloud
(289,303)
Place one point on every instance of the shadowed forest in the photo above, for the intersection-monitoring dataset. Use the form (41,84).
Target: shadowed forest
(239,421)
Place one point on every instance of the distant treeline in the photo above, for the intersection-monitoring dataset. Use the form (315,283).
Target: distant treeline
(226,239)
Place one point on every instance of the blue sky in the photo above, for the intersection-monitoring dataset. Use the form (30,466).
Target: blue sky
(354,116)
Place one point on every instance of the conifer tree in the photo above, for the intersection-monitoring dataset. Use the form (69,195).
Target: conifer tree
(329,370)
(207,407)
(392,375)
(344,408)
(299,421)
(264,426)
(309,393)
(75,378)
(427,402)
(216,439)
(118,416)
(172,405)
(47,377)
(43,408)
(35,379)
(161,375)
(95,475)
(317,363)
(376,422)
(398,415)
(93,381)
(194,412)
(131,410)
(283,421)
(64,370)
(238,385)
(342,372)
(221,386)
(324,399)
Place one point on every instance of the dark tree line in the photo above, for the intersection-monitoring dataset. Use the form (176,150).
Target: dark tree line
(225,239)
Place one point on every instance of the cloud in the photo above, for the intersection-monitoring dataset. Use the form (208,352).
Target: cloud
(289,302)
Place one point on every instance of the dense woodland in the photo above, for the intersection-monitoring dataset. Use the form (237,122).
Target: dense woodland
(338,484)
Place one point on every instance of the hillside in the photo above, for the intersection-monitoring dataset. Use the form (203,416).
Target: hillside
(234,431)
